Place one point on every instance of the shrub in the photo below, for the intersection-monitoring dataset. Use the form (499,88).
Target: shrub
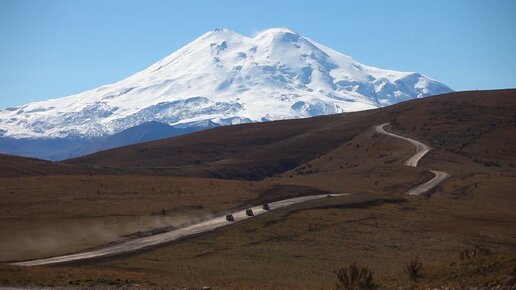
(414,268)
(476,251)
(354,277)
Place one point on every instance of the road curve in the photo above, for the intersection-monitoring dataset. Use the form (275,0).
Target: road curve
(145,242)
(421,150)
(422,188)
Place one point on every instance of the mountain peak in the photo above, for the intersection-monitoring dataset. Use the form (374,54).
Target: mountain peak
(277,30)
(220,33)
(279,34)
(218,29)
(224,78)
(271,33)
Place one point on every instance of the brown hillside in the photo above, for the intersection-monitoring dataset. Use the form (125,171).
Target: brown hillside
(463,123)
(11,166)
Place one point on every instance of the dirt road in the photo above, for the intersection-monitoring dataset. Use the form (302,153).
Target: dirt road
(141,243)
(421,150)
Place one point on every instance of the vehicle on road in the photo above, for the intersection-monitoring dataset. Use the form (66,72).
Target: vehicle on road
(266,206)
(329,195)
(249,212)
(230,218)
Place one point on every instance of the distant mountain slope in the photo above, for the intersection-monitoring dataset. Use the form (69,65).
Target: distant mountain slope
(223,78)
(69,147)
(44,148)
(148,131)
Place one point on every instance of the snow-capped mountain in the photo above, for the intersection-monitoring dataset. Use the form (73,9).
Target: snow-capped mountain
(224,78)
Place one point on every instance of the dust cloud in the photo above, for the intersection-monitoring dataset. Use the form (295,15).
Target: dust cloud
(22,240)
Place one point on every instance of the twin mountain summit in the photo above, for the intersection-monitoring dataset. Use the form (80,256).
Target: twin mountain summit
(221,78)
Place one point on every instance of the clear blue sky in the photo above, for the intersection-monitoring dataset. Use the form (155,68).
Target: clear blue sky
(51,49)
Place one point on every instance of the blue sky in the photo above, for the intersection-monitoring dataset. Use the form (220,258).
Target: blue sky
(51,49)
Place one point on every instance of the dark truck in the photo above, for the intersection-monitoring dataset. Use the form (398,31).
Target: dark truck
(230,218)
(266,206)
(249,212)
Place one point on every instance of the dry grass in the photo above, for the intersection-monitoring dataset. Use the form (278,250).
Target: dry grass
(49,215)
(414,268)
(298,248)
(354,277)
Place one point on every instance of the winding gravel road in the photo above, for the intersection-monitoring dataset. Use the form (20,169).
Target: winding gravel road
(170,236)
(421,150)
